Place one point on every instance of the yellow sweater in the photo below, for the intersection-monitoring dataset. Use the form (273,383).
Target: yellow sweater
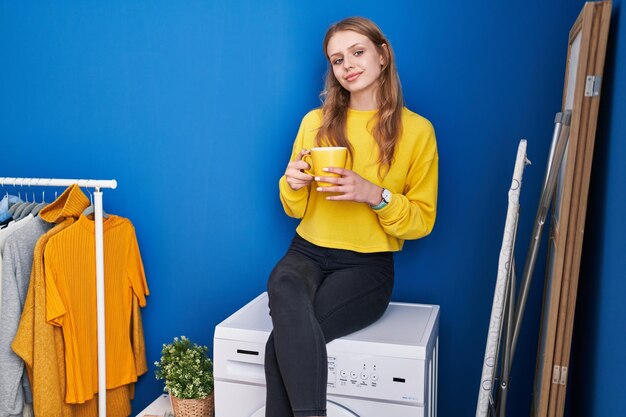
(69,262)
(41,346)
(412,181)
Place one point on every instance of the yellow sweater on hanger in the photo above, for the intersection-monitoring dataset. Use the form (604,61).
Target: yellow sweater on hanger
(41,345)
(69,262)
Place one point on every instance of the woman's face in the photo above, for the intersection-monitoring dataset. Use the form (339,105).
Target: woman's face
(355,61)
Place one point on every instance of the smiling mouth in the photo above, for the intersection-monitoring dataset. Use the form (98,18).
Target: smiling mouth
(353,77)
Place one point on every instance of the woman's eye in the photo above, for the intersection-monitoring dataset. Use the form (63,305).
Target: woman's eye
(357,53)
(337,61)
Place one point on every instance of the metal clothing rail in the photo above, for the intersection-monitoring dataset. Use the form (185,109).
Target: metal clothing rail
(97,185)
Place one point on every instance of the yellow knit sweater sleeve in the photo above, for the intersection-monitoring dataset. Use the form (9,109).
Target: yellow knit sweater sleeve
(295,202)
(411,213)
(134,269)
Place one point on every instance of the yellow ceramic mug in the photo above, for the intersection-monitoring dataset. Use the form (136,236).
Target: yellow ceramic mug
(326,157)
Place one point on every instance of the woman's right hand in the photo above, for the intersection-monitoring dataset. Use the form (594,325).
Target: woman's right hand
(295,175)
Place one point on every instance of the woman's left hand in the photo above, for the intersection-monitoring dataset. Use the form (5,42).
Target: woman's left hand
(350,186)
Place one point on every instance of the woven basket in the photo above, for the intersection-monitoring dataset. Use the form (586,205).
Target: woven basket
(202,407)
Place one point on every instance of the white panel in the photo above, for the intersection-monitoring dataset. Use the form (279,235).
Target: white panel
(572,72)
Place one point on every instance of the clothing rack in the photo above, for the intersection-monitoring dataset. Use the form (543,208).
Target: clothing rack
(97,201)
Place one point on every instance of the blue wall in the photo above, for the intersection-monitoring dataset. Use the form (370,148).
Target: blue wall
(598,363)
(192,106)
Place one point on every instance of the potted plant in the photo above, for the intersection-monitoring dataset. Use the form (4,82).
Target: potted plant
(188,375)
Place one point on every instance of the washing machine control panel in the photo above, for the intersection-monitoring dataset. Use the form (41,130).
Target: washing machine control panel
(365,374)
(393,379)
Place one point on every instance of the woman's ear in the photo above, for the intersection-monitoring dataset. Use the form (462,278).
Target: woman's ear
(385,55)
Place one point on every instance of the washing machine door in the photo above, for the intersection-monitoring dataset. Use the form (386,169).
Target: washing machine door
(333,410)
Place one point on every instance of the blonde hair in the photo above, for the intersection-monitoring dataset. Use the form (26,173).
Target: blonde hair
(335,98)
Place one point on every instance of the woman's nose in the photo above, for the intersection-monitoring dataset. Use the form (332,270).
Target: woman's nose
(347,63)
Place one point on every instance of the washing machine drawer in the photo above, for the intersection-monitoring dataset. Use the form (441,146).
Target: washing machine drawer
(236,360)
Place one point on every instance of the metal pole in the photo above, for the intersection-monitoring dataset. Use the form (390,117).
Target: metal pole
(57,182)
(559,142)
(100,304)
(506,369)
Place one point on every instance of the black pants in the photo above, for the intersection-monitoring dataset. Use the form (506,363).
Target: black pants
(316,295)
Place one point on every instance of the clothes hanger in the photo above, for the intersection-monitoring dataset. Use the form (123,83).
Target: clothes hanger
(27,208)
(6,202)
(17,215)
(90,210)
(17,205)
(20,205)
(41,205)
(6,194)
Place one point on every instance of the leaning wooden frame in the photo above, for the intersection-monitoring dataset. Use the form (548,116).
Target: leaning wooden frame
(581,96)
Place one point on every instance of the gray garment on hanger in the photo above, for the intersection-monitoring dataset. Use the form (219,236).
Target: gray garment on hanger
(17,261)
(4,235)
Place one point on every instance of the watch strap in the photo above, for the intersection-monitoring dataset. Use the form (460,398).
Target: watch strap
(385,199)
(379,205)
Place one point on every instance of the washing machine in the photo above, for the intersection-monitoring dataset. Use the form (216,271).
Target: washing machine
(388,369)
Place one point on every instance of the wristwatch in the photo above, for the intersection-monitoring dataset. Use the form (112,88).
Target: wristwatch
(386,199)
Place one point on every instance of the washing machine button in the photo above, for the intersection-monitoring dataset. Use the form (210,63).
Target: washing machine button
(353,375)
(343,373)
(374,377)
(364,376)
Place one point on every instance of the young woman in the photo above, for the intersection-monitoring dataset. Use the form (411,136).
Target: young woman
(337,275)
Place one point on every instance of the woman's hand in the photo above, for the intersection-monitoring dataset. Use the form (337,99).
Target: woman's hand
(350,186)
(294,174)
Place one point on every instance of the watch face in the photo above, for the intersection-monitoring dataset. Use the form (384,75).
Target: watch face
(386,195)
